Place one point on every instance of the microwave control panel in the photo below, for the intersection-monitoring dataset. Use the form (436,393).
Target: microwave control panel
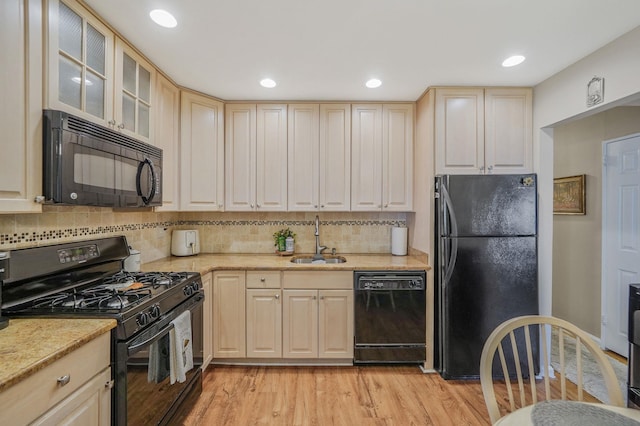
(78,254)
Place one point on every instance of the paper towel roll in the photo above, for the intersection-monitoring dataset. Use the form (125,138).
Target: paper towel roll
(399,241)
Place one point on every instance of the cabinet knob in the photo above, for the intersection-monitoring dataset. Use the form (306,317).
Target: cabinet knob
(258,205)
(251,205)
(63,380)
(314,298)
(490,168)
(321,297)
(220,205)
(482,168)
(277,296)
(109,384)
(386,205)
(262,279)
(322,206)
(315,206)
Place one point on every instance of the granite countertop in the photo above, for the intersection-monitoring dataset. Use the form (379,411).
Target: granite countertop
(29,345)
(205,263)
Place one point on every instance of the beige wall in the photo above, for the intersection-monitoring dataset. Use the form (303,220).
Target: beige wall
(150,232)
(577,255)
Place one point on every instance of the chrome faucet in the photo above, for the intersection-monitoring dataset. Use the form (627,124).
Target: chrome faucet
(319,248)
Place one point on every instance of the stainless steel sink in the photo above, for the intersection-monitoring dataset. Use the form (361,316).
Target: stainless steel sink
(325,259)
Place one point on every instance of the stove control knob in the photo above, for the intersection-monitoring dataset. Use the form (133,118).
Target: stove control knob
(142,319)
(196,286)
(187,290)
(154,312)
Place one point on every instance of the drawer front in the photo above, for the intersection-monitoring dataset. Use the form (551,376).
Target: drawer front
(318,280)
(263,279)
(32,397)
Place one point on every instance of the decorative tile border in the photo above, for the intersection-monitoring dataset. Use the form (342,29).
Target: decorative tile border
(84,231)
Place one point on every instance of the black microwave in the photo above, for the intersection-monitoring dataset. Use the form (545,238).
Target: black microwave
(86,164)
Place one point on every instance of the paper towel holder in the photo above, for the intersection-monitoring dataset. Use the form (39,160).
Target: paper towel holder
(399,240)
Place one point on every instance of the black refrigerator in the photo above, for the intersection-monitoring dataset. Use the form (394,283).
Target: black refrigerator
(486,263)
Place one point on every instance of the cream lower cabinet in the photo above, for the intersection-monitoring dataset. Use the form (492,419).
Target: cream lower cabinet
(84,398)
(317,314)
(264,323)
(264,314)
(207,320)
(229,335)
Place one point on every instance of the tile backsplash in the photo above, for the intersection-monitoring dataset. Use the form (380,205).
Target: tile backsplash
(236,232)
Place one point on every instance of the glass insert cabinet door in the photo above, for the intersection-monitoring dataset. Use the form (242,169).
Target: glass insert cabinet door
(134,80)
(81,50)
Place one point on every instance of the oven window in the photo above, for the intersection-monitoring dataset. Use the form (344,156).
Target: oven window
(149,388)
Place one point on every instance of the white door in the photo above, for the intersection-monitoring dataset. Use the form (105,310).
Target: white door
(620,236)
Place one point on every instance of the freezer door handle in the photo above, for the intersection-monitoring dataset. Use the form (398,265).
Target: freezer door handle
(451,249)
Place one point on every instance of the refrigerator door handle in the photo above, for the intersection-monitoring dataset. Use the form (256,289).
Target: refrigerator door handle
(453,252)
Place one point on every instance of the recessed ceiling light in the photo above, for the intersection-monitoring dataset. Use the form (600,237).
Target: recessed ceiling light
(163,18)
(513,61)
(268,83)
(373,83)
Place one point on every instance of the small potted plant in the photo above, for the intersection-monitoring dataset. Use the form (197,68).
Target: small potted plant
(284,241)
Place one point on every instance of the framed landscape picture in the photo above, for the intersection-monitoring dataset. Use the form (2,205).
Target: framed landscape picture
(569,195)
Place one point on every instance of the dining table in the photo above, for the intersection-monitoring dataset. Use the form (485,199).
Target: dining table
(561,412)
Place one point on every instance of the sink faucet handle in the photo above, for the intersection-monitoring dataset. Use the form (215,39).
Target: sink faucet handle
(333,251)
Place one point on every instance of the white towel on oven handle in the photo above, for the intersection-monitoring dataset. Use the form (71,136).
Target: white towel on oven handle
(181,346)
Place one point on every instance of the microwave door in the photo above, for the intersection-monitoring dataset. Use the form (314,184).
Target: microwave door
(87,176)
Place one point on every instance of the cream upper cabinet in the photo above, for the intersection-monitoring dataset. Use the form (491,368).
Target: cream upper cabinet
(382,157)
(319,157)
(366,151)
(480,131)
(80,66)
(397,157)
(256,157)
(229,334)
(207,320)
(133,100)
(167,138)
(508,144)
(21,106)
(94,74)
(201,153)
(264,323)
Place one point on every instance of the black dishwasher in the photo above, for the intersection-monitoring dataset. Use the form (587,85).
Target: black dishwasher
(390,317)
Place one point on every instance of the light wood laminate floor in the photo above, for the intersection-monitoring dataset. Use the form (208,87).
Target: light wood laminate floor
(353,396)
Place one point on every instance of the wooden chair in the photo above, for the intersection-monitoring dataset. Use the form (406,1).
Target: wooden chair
(514,338)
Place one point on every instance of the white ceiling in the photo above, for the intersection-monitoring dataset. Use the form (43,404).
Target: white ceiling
(325,50)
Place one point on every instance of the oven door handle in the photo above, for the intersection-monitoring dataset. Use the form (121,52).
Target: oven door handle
(135,348)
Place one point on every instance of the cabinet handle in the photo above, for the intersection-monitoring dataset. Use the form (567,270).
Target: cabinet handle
(63,380)
(121,126)
(112,122)
(109,384)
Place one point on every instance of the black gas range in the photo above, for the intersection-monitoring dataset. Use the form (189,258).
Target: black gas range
(84,280)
